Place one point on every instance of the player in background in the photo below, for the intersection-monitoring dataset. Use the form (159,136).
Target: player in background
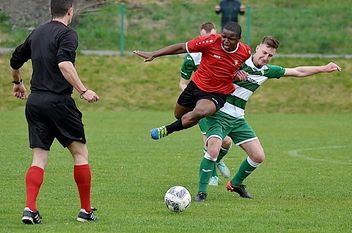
(229,120)
(229,10)
(189,66)
(50,110)
(222,56)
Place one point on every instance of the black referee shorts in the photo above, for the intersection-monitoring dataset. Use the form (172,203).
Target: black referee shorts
(51,116)
(192,94)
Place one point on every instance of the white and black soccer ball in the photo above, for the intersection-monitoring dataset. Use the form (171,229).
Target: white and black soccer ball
(177,198)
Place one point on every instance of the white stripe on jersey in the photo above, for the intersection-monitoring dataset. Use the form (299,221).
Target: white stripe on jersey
(197,57)
(242,93)
(232,110)
(257,79)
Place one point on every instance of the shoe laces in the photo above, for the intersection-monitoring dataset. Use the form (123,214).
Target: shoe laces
(92,216)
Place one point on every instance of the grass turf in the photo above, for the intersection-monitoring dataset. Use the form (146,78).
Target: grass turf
(303,186)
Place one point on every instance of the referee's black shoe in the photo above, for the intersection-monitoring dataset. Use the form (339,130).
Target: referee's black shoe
(85,216)
(30,217)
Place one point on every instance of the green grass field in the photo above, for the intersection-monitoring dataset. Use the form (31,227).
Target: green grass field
(303,186)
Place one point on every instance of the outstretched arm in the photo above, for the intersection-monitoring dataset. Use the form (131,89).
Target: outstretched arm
(169,50)
(303,71)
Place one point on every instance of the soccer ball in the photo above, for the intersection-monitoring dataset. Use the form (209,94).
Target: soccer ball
(177,199)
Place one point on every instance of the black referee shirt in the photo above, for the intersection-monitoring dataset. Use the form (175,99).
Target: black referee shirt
(47,46)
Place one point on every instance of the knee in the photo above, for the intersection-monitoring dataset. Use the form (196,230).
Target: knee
(200,113)
(213,153)
(213,148)
(258,157)
(226,143)
(79,153)
(191,117)
(40,158)
(80,158)
(40,163)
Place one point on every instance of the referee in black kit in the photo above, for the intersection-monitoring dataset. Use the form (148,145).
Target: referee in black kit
(50,111)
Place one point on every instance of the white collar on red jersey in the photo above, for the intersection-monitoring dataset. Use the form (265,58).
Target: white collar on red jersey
(233,51)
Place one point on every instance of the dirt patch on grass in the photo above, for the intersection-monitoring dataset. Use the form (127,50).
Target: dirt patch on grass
(30,13)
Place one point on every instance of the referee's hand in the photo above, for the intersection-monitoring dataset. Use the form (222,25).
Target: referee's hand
(19,91)
(90,96)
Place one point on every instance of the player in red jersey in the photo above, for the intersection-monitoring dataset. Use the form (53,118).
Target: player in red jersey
(222,56)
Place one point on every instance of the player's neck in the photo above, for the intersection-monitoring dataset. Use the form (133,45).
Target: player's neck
(63,20)
(256,63)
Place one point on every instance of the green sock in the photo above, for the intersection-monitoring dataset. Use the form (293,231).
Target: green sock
(215,173)
(205,172)
(222,153)
(246,168)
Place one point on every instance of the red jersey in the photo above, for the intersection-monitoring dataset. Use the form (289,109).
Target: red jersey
(218,66)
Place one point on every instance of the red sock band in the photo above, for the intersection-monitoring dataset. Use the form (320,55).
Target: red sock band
(34,179)
(82,175)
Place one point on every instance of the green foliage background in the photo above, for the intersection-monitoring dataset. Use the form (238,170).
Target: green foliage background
(306,26)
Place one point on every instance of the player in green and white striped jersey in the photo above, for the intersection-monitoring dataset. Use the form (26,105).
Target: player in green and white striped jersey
(190,65)
(229,120)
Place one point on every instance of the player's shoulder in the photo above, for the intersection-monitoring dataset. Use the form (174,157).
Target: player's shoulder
(271,66)
(274,71)
(244,50)
(216,37)
(244,46)
(55,27)
(202,43)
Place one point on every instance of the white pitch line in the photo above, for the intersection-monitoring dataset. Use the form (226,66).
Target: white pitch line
(300,153)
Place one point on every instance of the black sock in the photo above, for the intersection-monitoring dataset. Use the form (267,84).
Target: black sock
(176,126)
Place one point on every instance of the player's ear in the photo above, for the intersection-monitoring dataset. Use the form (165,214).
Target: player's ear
(256,48)
(70,11)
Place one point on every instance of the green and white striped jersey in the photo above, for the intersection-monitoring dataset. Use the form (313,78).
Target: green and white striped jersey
(236,102)
(190,64)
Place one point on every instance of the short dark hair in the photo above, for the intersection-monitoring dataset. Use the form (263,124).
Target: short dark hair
(59,8)
(208,26)
(271,42)
(234,27)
